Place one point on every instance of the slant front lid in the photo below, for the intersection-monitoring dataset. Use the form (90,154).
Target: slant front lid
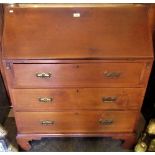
(74,31)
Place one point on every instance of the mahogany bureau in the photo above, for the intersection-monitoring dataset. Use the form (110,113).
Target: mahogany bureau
(76,69)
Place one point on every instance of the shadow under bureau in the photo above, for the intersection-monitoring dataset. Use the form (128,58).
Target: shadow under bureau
(76,69)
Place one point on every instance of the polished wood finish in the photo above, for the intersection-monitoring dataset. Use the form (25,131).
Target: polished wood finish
(102,32)
(75,122)
(80,98)
(152,17)
(76,70)
(1,23)
(83,75)
(71,5)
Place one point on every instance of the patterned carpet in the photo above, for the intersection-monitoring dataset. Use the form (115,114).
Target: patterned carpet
(77,145)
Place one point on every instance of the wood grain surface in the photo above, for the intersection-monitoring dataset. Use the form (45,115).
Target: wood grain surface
(75,121)
(77,98)
(99,32)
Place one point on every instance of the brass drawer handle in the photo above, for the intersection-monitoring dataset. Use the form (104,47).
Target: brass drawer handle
(47,122)
(112,74)
(106,121)
(109,99)
(43,75)
(45,99)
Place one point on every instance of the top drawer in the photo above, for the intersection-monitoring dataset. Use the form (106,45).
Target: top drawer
(76,32)
(79,75)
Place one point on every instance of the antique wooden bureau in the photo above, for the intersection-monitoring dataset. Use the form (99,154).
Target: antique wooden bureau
(76,69)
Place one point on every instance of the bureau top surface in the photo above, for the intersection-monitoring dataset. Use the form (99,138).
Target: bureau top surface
(76,32)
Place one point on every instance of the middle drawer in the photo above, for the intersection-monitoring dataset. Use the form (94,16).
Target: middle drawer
(82,98)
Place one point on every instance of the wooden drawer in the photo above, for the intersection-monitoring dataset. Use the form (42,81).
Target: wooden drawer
(84,98)
(76,122)
(76,32)
(78,75)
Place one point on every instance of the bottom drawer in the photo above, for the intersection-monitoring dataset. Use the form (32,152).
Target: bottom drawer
(76,121)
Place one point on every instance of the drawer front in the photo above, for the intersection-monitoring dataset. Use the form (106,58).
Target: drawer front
(76,122)
(78,75)
(84,98)
(86,32)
